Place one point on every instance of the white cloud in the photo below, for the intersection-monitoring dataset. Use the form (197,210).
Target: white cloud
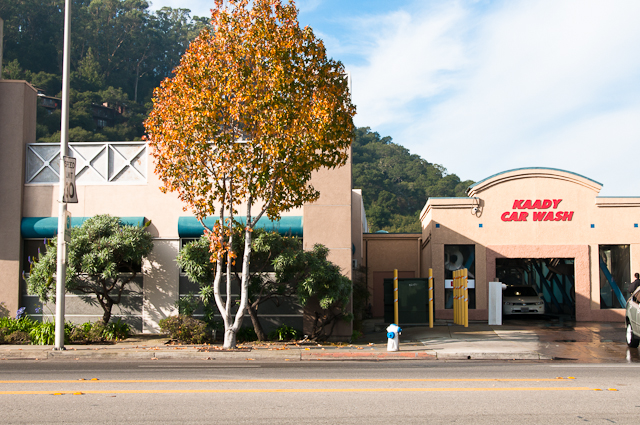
(409,59)
(306,6)
(197,7)
(542,83)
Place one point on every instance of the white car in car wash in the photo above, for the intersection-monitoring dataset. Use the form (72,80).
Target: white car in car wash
(522,300)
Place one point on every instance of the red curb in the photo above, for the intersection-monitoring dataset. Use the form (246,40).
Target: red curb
(401,355)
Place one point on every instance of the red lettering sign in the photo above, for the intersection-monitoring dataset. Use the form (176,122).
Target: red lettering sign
(537,204)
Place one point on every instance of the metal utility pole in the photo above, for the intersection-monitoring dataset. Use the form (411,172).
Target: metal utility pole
(1,43)
(61,272)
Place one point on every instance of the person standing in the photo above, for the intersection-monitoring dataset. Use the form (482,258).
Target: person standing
(633,285)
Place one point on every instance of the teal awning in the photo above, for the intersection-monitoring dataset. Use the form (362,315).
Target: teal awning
(190,227)
(47,227)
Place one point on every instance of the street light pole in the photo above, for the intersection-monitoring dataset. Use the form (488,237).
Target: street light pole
(61,270)
(1,43)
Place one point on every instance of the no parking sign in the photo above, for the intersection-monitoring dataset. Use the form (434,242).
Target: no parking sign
(70,194)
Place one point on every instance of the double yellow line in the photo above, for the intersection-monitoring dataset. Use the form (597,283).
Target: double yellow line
(292,390)
(282,390)
(147,381)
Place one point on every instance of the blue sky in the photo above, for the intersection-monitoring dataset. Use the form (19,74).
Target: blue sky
(487,86)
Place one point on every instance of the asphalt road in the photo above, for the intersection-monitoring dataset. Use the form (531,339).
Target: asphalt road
(200,392)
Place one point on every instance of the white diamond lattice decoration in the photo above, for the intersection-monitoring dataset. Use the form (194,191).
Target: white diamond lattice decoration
(97,162)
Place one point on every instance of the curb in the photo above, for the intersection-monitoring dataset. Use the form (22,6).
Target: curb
(394,355)
(258,355)
(493,356)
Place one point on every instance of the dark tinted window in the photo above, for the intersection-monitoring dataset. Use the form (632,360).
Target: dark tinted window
(615,272)
(31,250)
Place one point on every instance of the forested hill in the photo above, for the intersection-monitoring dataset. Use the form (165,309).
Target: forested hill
(120,53)
(396,184)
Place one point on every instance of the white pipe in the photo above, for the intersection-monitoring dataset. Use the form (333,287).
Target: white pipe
(61,270)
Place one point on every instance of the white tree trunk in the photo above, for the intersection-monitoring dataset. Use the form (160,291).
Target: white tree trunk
(229,339)
(230,333)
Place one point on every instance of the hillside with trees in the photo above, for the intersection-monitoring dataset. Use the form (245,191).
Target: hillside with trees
(395,183)
(121,51)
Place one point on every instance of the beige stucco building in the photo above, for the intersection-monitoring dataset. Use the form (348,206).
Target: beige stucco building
(534,226)
(541,227)
(118,178)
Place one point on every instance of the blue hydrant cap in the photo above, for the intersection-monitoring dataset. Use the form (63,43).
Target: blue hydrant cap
(391,335)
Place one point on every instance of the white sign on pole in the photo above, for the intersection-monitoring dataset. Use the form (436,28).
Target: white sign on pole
(67,226)
(70,195)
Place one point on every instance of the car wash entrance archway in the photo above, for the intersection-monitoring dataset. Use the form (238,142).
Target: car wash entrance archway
(553,278)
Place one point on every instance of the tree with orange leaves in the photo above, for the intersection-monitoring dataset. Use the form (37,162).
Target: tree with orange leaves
(254,107)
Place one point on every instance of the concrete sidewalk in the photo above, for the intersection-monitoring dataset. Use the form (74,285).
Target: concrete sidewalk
(516,341)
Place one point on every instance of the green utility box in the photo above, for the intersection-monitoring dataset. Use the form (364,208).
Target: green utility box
(413,301)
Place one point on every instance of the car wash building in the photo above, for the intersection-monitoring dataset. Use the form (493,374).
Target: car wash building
(539,227)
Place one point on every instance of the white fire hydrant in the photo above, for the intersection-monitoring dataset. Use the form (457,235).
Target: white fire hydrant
(393,333)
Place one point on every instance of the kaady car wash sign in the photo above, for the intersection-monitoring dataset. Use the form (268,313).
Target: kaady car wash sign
(537,210)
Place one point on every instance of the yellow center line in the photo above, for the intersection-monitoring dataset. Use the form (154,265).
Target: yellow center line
(302,390)
(137,381)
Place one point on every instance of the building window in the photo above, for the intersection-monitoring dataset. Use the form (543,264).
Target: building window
(31,250)
(615,274)
(458,257)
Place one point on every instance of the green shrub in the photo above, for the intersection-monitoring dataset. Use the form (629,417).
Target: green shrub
(78,335)
(17,337)
(86,327)
(43,334)
(246,334)
(24,324)
(115,331)
(96,332)
(188,304)
(283,333)
(185,329)
(25,330)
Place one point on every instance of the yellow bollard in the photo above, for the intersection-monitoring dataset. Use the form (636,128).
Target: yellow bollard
(431,298)
(455,297)
(458,297)
(457,321)
(466,298)
(458,290)
(395,297)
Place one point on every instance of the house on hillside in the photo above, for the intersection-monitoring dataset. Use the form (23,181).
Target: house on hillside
(103,115)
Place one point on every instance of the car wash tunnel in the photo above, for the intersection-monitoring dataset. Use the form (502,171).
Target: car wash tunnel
(553,278)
